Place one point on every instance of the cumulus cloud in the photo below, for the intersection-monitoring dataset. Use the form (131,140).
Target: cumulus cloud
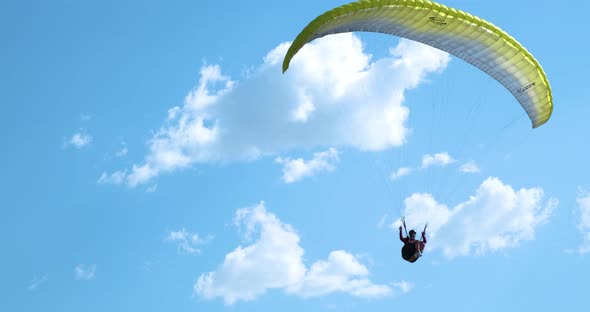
(583,201)
(333,95)
(438,159)
(296,169)
(469,167)
(496,217)
(85,272)
(79,140)
(187,242)
(274,260)
(342,272)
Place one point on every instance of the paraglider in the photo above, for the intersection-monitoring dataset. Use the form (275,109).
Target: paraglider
(413,248)
(468,37)
(459,33)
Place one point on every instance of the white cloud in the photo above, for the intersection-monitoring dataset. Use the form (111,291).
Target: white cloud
(442,159)
(404,286)
(152,188)
(304,110)
(79,140)
(85,272)
(496,217)
(340,273)
(421,208)
(333,95)
(400,172)
(139,174)
(37,281)
(583,201)
(438,159)
(117,177)
(469,167)
(187,242)
(275,261)
(296,169)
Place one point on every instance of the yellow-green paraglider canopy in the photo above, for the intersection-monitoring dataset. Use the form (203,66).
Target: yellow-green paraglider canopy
(461,34)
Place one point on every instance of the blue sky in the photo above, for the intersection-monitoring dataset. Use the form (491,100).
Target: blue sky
(155,158)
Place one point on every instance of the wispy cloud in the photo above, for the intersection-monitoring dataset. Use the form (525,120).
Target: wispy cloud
(79,140)
(188,242)
(495,217)
(400,172)
(147,266)
(383,221)
(326,98)
(85,272)
(123,150)
(583,214)
(404,286)
(469,167)
(113,178)
(296,169)
(441,159)
(37,281)
(275,261)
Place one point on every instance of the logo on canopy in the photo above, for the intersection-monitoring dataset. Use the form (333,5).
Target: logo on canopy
(437,20)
